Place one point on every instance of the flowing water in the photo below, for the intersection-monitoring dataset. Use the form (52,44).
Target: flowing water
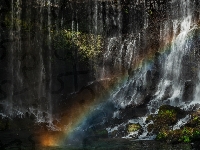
(151,47)
(177,54)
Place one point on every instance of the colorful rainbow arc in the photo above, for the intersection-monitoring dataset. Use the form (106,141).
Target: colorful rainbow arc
(78,113)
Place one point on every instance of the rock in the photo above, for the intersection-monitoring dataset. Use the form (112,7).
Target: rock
(166,117)
(188,91)
(114,134)
(32,117)
(133,128)
(190,132)
(194,121)
(148,79)
(168,92)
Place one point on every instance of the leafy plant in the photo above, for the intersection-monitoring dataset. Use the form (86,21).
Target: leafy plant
(89,45)
(162,135)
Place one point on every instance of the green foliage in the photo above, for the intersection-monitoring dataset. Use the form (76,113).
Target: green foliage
(89,45)
(185,135)
(167,116)
(17,22)
(162,135)
(195,120)
(186,139)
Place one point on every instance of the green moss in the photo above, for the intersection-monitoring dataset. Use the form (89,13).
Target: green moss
(168,116)
(133,128)
(185,135)
(169,113)
(174,136)
(186,139)
(89,45)
(162,135)
(195,120)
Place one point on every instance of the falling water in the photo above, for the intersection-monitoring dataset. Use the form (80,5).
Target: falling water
(149,46)
(165,80)
(49,63)
(27,71)
(171,62)
(10,104)
(171,87)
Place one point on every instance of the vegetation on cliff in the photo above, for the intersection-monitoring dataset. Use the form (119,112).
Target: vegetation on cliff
(163,123)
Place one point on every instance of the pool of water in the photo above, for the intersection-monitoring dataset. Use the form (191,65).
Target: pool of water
(120,144)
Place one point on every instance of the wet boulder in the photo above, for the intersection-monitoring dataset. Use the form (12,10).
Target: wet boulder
(133,127)
(194,121)
(117,131)
(188,91)
(167,117)
(187,133)
(148,79)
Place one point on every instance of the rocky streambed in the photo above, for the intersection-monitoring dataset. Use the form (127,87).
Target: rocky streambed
(173,128)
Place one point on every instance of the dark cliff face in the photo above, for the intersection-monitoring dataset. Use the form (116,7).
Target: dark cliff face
(38,66)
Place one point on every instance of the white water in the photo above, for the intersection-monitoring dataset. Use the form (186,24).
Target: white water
(172,74)
(176,34)
(28,75)
(121,53)
(180,29)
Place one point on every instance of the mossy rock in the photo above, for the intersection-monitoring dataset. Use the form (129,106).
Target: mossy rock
(185,135)
(133,127)
(167,117)
(195,120)
(188,133)
(162,135)
(171,112)
(174,136)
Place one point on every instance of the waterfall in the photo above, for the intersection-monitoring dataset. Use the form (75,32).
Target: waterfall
(10,104)
(175,46)
(197,92)
(170,90)
(36,77)
(55,49)
(159,61)
(49,63)
(172,73)
(29,64)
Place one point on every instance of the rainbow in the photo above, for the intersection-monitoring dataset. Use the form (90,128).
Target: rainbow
(80,111)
